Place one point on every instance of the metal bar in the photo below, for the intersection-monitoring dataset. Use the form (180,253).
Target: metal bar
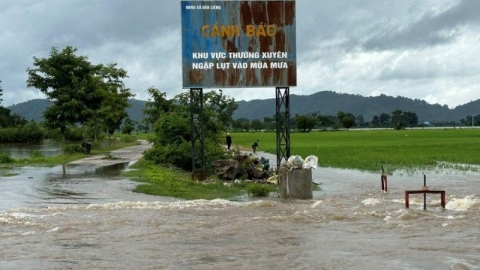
(407,203)
(384,182)
(424,194)
(441,192)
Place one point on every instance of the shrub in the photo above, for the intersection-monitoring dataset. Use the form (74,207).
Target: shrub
(31,132)
(73,148)
(177,155)
(260,190)
(36,154)
(4,158)
(128,139)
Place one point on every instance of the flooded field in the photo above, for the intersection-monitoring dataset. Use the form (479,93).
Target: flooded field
(25,150)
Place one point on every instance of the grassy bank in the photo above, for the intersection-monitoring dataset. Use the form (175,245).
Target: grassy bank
(165,181)
(369,150)
(155,179)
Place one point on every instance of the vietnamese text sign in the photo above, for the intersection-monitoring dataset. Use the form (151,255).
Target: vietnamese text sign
(238,44)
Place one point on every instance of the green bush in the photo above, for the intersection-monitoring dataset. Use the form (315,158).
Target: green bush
(73,148)
(77,133)
(181,155)
(36,154)
(128,139)
(177,155)
(30,132)
(260,190)
(4,158)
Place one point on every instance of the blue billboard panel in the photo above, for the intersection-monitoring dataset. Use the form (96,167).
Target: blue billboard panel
(238,44)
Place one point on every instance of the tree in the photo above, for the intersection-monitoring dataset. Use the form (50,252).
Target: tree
(257,125)
(128,126)
(78,89)
(8,120)
(384,119)
(375,121)
(346,119)
(360,121)
(218,110)
(398,119)
(173,132)
(468,120)
(242,123)
(325,120)
(156,106)
(412,118)
(1,93)
(115,98)
(402,119)
(305,123)
(269,123)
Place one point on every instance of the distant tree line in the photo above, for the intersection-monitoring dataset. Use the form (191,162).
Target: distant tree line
(471,120)
(398,119)
(15,128)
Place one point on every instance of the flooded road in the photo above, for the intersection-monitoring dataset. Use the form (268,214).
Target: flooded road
(56,218)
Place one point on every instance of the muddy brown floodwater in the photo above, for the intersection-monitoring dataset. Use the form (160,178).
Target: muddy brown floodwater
(62,218)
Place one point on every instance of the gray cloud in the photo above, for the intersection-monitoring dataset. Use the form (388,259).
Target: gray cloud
(420,49)
(429,30)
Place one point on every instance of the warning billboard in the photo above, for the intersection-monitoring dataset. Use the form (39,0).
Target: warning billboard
(238,44)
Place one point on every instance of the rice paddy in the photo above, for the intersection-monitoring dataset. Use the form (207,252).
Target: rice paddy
(369,150)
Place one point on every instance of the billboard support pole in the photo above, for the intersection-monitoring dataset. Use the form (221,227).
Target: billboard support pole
(198,134)
(282,118)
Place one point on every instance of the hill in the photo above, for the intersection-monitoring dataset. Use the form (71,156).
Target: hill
(325,102)
(33,109)
(330,103)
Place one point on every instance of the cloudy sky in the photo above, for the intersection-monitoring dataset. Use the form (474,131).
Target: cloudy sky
(427,49)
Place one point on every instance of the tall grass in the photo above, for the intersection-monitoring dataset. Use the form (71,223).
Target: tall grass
(369,150)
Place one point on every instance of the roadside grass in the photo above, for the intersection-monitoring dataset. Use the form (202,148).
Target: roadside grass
(369,150)
(139,136)
(167,181)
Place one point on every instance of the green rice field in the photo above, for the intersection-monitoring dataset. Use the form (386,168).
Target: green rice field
(369,150)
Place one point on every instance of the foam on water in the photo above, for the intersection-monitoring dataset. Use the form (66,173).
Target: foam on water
(463,204)
(28,213)
(317,204)
(371,201)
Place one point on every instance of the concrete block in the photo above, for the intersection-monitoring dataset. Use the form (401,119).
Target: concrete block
(296,184)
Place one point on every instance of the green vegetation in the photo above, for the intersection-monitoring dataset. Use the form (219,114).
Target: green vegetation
(172,147)
(260,190)
(81,92)
(368,150)
(172,126)
(172,182)
(4,159)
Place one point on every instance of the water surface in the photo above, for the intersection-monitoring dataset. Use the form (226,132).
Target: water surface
(65,218)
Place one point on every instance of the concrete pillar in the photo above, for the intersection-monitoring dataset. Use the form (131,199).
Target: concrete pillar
(296,184)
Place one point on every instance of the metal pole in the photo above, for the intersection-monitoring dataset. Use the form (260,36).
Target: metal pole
(424,194)
(282,116)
